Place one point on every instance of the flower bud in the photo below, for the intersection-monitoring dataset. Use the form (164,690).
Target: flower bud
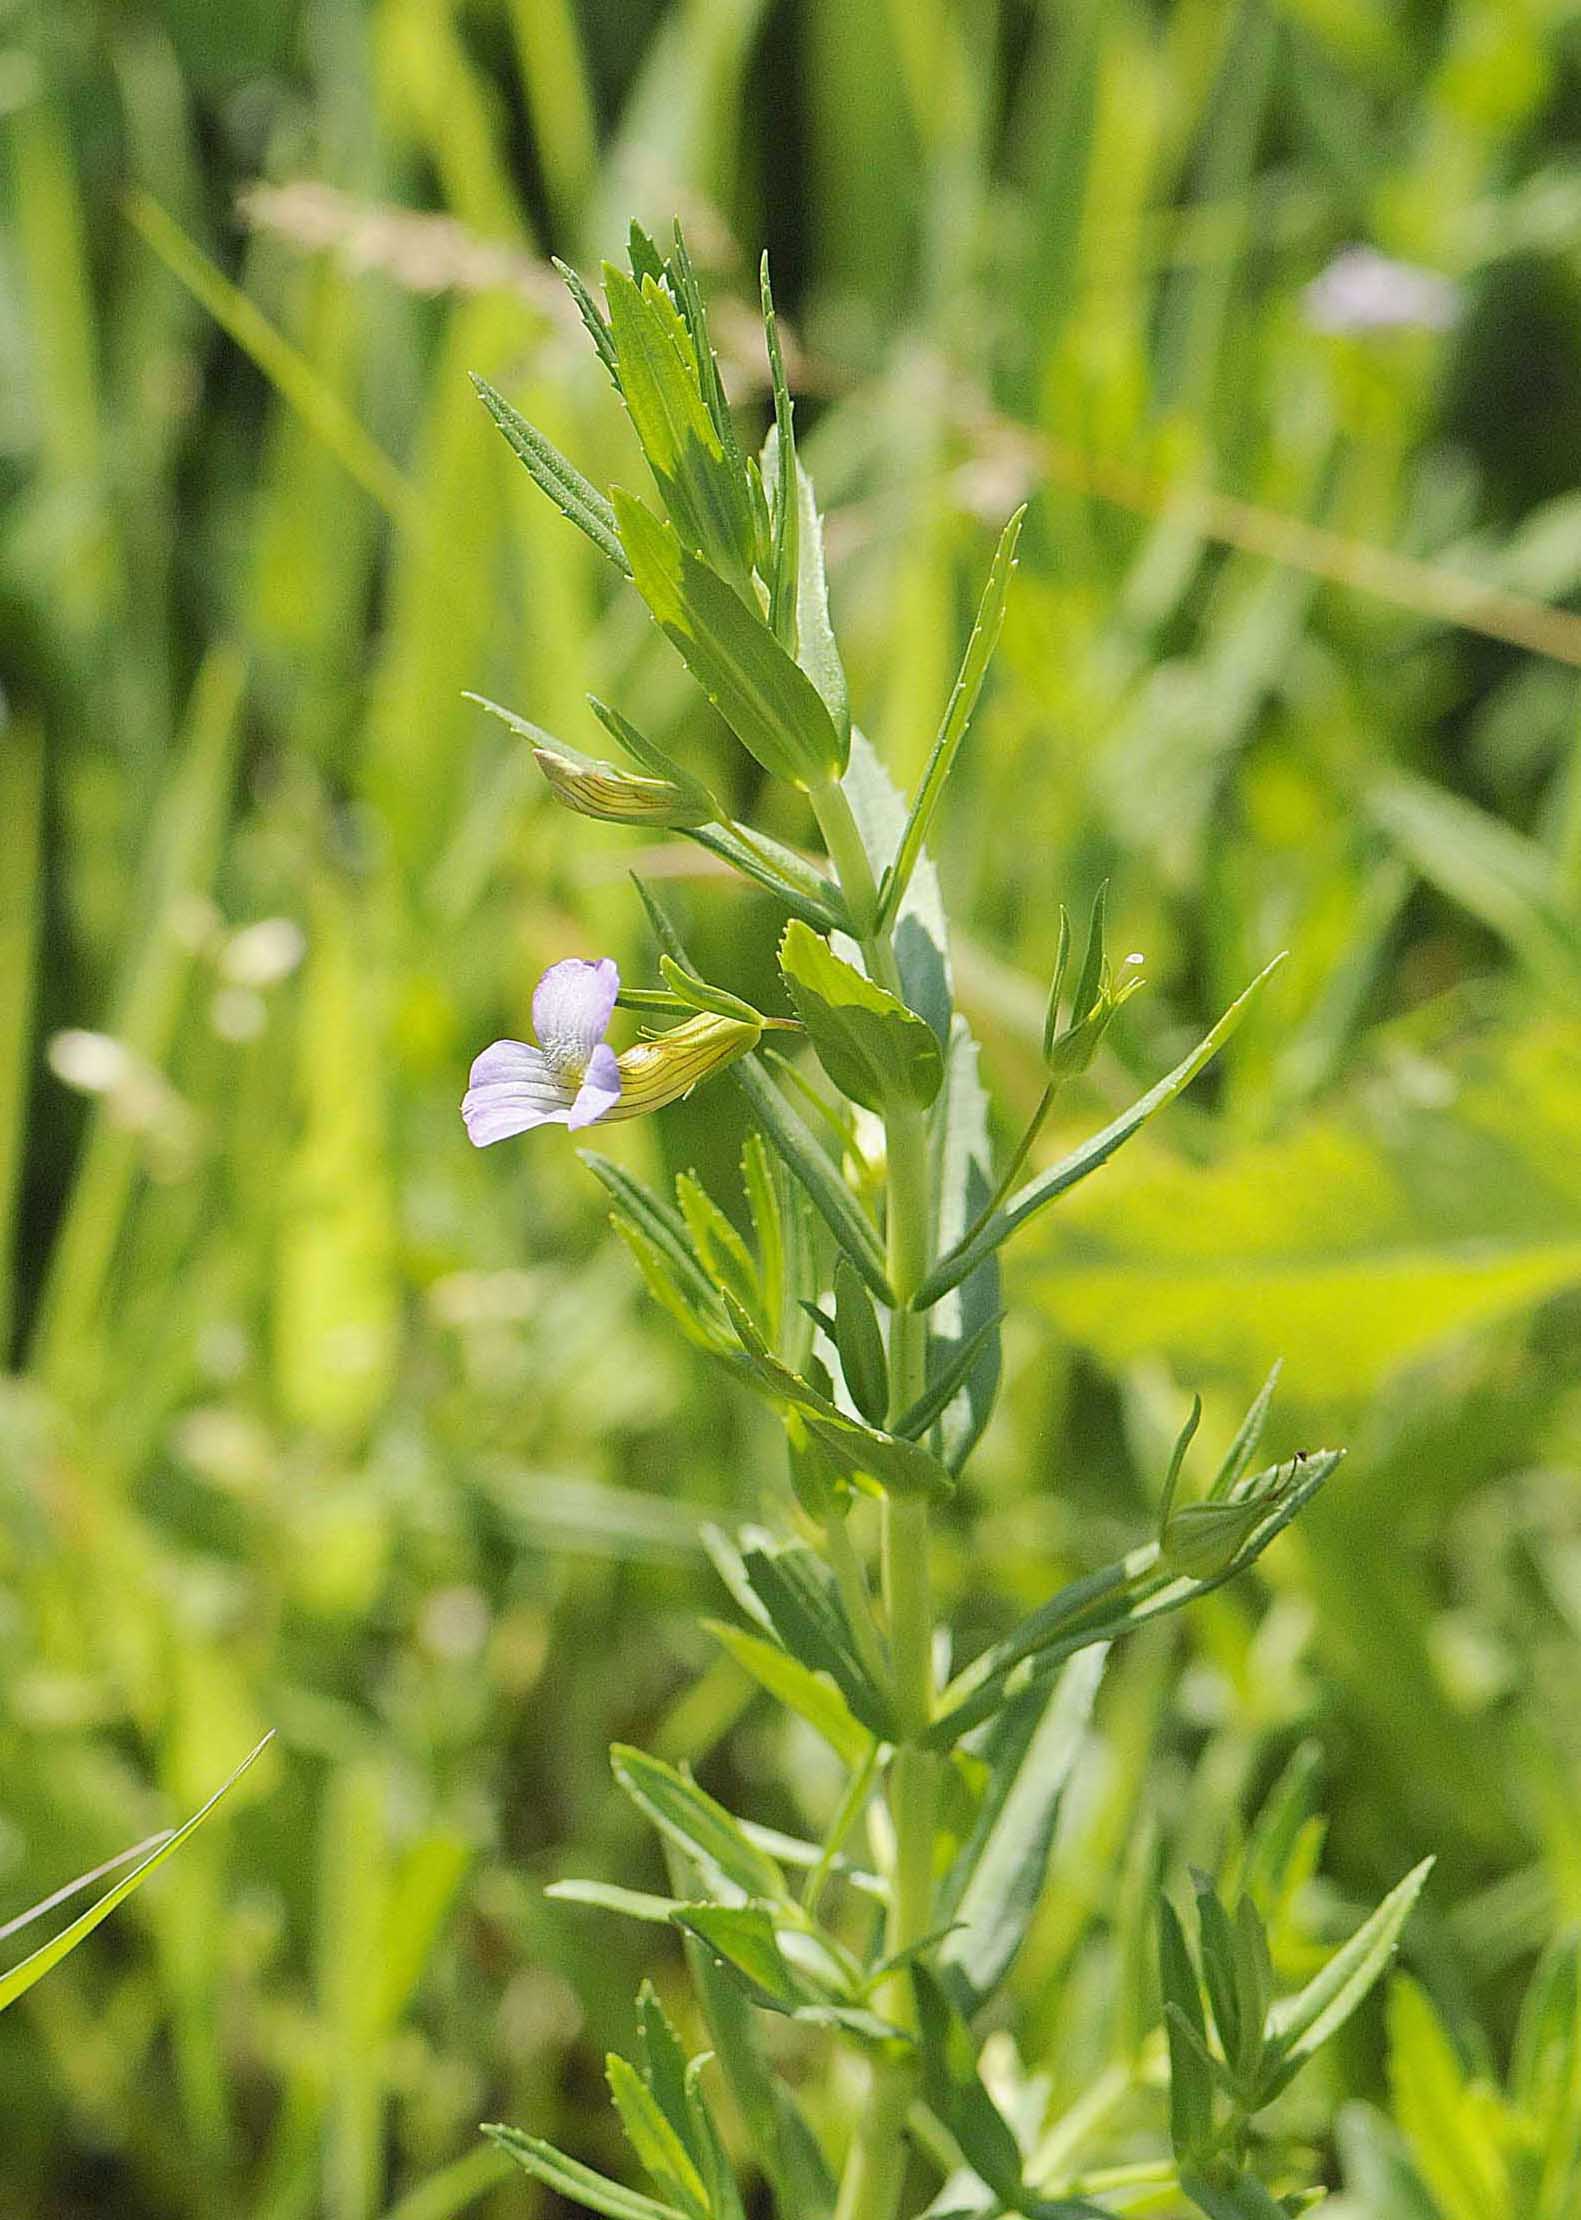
(619,797)
(1069,1047)
(1203,1540)
(671,1065)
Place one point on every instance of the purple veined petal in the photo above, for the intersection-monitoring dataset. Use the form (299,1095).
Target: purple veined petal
(514,1087)
(600,1089)
(571,1009)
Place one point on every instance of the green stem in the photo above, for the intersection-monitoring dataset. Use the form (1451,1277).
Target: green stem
(876,2165)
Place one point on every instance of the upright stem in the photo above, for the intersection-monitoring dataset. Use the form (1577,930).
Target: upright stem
(875,2167)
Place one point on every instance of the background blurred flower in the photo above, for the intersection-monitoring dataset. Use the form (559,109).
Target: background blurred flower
(1362,290)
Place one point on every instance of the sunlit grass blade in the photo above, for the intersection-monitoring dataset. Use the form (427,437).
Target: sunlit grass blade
(21,1978)
(291,374)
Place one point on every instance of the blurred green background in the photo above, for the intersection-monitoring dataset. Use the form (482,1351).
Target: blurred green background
(314,1418)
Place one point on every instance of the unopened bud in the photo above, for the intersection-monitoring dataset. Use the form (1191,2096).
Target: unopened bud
(619,797)
(662,1070)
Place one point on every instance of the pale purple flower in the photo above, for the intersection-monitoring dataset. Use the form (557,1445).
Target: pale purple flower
(571,1078)
(1364,291)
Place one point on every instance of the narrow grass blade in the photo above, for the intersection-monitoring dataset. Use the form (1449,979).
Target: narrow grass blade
(21,1978)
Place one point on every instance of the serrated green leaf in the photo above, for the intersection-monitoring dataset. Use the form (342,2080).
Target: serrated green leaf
(742,1937)
(765,698)
(593,318)
(698,1317)
(719,1248)
(779,467)
(704,493)
(664,2064)
(568,2177)
(816,648)
(698,1825)
(554,475)
(724,2195)
(874,1049)
(660,2152)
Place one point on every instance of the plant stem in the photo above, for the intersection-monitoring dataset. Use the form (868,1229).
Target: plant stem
(875,2167)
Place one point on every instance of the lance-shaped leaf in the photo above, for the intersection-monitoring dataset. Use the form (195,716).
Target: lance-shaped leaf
(863,1452)
(731,1865)
(957,718)
(1121,1597)
(807,1613)
(569,2178)
(661,2153)
(680,276)
(1042,1190)
(994,1887)
(662,794)
(766,699)
(1239,1455)
(874,1049)
(1237,2197)
(664,2064)
(963,1326)
(809,1694)
(779,870)
(816,650)
(1299,2025)
(781,2138)
(742,1938)
(860,1342)
(954,2090)
(779,470)
(724,2195)
(1190,2069)
(21,1978)
(550,471)
(704,491)
(594,320)
(609,1896)
(658,1239)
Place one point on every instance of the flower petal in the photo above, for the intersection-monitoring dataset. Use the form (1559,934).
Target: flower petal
(571,1008)
(514,1087)
(600,1089)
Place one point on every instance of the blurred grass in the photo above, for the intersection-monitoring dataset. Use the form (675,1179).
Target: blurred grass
(317,1420)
